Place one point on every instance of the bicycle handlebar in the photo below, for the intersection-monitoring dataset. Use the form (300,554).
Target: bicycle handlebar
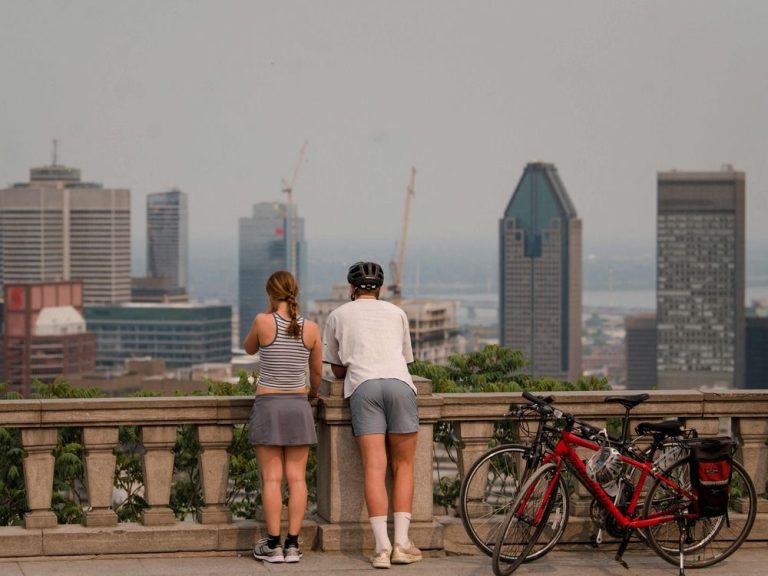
(535,400)
(543,406)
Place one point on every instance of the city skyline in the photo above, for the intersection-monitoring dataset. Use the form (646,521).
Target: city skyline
(610,93)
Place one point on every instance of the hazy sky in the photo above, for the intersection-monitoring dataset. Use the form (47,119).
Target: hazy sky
(217,97)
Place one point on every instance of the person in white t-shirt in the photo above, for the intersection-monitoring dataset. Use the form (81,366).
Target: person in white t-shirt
(367,342)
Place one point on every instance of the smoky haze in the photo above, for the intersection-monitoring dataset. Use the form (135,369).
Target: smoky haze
(217,98)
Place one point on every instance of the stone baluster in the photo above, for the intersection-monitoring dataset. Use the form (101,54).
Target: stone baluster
(38,444)
(706,425)
(214,466)
(474,437)
(100,444)
(754,452)
(158,444)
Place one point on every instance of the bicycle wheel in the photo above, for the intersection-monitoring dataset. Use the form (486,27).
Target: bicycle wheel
(525,521)
(490,487)
(710,539)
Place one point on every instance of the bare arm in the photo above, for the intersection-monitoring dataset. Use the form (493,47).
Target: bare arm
(315,344)
(251,343)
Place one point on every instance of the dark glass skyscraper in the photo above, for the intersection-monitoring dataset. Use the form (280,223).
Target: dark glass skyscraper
(264,245)
(641,351)
(168,237)
(700,279)
(540,275)
(756,357)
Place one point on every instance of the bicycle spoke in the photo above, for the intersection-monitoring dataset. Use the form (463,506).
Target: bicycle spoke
(710,540)
(488,491)
(526,521)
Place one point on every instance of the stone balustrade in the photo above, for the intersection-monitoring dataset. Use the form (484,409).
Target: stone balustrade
(340,522)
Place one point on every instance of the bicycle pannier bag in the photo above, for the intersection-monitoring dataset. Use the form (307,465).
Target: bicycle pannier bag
(711,466)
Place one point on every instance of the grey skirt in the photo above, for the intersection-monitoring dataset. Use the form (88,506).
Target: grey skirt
(281,420)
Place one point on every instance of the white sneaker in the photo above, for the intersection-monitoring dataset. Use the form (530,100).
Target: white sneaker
(266,554)
(380,559)
(292,553)
(405,554)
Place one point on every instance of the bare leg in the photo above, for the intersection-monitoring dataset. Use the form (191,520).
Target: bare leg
(295,472)
(402,449)
(271,467)
(374,456)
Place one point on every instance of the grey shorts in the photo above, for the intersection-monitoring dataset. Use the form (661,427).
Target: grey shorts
(281,420)
(384,406)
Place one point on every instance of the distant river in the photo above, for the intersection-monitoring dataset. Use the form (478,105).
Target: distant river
(481,308)
(646,299)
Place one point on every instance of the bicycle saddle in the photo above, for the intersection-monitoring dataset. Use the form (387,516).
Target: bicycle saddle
(667,428)
(627,401)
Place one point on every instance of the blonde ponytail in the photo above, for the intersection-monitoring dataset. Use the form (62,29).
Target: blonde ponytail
(294,328)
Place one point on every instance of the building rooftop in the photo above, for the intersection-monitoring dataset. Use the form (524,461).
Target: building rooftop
(59,321)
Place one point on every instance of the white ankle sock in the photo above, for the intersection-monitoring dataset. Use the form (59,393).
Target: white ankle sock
(379,526)
(402,524)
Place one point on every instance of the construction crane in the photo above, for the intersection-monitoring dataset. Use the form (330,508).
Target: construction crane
(396,268)
(291,220)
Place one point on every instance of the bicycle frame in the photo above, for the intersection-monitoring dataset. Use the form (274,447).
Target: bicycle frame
(565,453)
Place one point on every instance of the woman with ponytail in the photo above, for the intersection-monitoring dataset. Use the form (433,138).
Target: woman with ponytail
(281,425)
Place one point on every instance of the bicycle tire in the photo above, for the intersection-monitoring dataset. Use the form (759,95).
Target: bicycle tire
(489,488)
(713,539)
(523,526)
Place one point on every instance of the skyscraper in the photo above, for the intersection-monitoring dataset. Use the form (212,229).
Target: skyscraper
(540,275)
(700,279)
(756,360)
(168,237)
(641,351)
(56,227)
(264,245)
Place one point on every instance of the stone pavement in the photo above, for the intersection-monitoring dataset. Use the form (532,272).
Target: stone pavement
(748,561)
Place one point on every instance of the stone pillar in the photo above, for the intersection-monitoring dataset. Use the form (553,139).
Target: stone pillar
(38,444)
(158,444)
(214,472)
(340,498)
(100,474)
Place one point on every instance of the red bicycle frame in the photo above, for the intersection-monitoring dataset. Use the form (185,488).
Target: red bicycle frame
(565,452)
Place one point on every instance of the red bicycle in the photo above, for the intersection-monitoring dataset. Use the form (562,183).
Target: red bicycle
(688,513)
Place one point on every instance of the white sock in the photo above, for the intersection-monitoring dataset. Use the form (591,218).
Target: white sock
(402,524)
(379,526)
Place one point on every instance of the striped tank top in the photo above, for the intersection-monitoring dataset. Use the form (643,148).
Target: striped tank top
(284,363)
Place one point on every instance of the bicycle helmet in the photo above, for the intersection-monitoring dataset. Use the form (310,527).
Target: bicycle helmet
(365,275)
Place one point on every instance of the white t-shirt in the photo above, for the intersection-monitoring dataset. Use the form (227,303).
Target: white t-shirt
(371,339)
